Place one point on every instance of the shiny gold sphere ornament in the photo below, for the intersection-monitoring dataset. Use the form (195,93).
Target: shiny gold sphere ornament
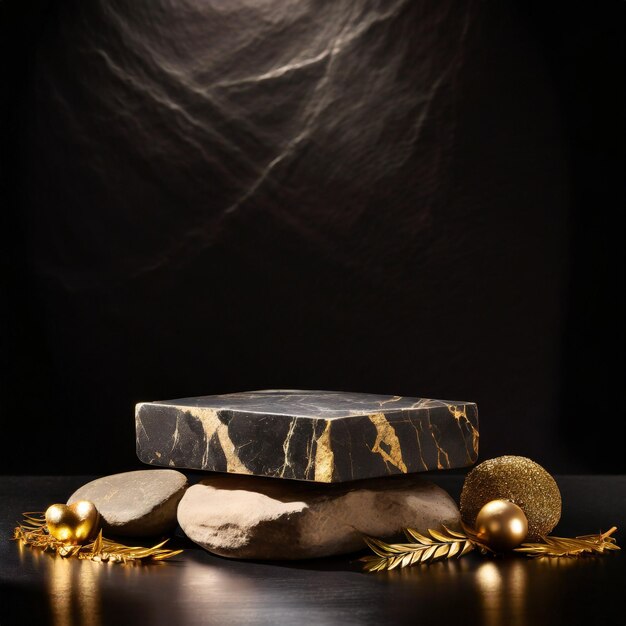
(501,525)
(74,523)
(519,480)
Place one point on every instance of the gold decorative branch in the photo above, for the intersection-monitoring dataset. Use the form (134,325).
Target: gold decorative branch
(563,546)
(421,549)
(440,545)
(32,532)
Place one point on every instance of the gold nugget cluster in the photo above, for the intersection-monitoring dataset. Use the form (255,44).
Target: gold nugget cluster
(33,532)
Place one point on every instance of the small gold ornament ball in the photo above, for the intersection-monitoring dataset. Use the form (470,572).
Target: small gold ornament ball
(519,480)
(501,525)
(74,523)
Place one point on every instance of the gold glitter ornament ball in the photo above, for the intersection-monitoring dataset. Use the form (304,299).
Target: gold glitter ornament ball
(519,480)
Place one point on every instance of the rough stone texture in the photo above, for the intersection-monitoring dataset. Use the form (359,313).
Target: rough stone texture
(318,436)
(260,518)
(141,503)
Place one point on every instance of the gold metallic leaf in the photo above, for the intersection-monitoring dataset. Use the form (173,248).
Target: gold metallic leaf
(413,534)
(454,548)
(421,550)
(428,553)
(442,550)
(571,547)
(438,536)
(454,533)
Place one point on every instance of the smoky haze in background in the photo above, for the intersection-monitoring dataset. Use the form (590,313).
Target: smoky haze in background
(210,197)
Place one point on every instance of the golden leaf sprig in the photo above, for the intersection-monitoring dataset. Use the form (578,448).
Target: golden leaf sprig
(32,532)
(564,547)
(420,549)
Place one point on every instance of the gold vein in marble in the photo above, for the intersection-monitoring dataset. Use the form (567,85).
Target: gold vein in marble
(211,425)
(286,443)
(324,457)
(394,399)
(461,413)
(419,444)
(309,456)
(441,453)
(386,434)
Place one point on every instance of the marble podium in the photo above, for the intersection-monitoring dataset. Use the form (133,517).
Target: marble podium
(319,436)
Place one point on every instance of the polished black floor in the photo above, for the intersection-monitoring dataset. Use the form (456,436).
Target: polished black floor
(204,589)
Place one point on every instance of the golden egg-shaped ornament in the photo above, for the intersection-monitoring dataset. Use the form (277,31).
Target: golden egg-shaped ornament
(74,523)
(519,480)
(501,525)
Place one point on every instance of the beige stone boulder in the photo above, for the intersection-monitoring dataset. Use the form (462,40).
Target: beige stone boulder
(247,517)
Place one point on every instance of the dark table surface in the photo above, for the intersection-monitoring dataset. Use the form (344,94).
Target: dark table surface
(201,588)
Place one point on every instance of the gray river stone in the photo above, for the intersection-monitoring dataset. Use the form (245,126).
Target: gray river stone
(140,503)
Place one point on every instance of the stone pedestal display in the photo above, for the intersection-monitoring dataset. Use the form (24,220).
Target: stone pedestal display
(297,474)
(318,436)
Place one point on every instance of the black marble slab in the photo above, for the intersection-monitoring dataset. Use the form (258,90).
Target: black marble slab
(319,436)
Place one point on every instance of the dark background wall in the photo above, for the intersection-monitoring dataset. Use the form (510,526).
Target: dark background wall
(407,197)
